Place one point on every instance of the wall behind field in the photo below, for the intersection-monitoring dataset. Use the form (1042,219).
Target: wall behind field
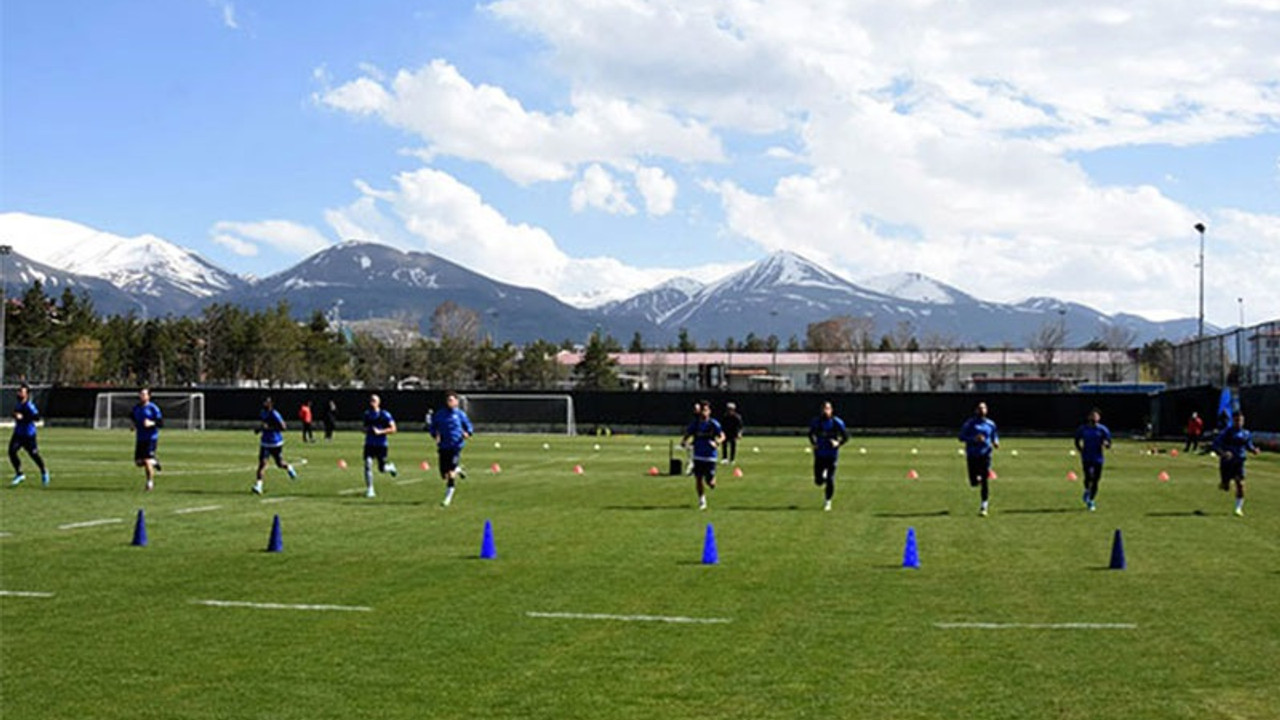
(765,413)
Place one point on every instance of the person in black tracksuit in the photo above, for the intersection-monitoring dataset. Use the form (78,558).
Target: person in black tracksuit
(732,425)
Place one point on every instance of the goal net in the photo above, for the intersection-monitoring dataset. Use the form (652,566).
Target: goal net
(182,411)
(522,413)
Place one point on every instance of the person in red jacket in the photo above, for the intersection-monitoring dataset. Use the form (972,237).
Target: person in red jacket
(304,416)
(1195,428)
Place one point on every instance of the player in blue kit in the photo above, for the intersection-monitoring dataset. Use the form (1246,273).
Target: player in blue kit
(450,427)
(706,436)
(378,424)
(827,433)
(271,429)
(1092,439)
(146,419)
(1233,446)
(25,416)
(980,439)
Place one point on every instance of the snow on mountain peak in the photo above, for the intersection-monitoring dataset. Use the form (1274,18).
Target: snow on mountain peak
(913,286)
(782,268)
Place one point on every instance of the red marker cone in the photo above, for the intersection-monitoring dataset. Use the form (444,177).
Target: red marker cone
(426,465)
(495,468)
(577,470)
(1071,476)
(1173,452)
(913,475)
(737,472)
(1163,476)
(653,470)
(991,474)
(342,464)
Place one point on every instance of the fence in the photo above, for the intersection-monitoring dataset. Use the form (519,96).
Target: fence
(1243,357)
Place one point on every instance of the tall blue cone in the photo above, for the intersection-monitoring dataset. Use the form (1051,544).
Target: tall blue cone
(911,553)
(140,530)
(1117,552)
(276,543)
(488,551)
(709,554)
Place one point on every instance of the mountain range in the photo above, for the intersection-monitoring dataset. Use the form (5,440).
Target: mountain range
(779,295)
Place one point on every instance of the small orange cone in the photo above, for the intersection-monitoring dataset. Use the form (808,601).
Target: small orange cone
(495,468)
(991,474)
(1173,452)
(426,465)
(1071,476)
(1163,476)
(737,472)
(913,475)
(342,464)
(577,470)
(653,470)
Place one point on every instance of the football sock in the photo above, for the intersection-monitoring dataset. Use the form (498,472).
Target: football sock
(368,473)
(1239,503)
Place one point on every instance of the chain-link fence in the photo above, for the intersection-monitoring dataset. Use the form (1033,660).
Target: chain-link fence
(1245,356)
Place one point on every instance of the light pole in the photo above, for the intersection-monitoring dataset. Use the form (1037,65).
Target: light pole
(4,304)
(1200,229)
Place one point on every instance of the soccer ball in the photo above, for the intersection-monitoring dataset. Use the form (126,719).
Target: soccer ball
(862,451)
(914,451)
(497,446)
(1013,453)
(596,447)
(546,446)
(755,449)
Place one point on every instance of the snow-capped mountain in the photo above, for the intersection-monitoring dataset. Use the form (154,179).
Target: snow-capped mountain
(366,280)
(916,287)
(21,272)
(162,276)
(655,304)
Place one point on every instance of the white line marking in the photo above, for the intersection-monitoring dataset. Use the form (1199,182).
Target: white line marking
(351,491)
(630,618)
(266,501)
(281,606)
(90,523)
(200,509)
(410,482)
(25,594)
(1036,626)
(5,534)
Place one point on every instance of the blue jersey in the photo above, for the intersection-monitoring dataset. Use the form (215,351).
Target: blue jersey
(1238,442)
(979,436)
(1091,440)
(705,434)
(142,412)
(25,416)
(376,420)
(450,427)
(272,428)
(822,431)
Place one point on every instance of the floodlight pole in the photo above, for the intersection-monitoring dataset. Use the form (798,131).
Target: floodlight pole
(4,304)
(1200,330)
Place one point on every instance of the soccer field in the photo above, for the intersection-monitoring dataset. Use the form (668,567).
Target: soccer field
(598,605)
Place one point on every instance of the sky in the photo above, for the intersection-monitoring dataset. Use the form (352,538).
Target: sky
(592,148)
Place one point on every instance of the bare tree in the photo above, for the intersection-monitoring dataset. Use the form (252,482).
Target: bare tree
(1045,344)
(901,338)
(941,358)
(1119,342)
(844,335)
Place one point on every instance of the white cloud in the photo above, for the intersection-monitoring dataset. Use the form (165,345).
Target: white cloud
(243,238)
(598,189)
(228,11)
(485,124)
(430,210)
(658,190)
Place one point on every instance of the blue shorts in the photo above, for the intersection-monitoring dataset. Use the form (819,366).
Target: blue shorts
(21,442)
(144,449)
(376,452)
(705,469)
(270,451)
(449,460)
(1229,471)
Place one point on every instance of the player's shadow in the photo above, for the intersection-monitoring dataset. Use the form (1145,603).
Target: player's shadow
(1179,513)
(647,508)
(1041,511)
(937,513)
(763,508)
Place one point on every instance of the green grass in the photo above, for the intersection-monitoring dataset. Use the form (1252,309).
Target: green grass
(824,621)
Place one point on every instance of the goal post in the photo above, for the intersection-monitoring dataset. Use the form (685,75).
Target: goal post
(182,411)
(522,413)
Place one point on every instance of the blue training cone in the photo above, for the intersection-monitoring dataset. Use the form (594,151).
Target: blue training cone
(276,543)
(140,530)
(1117,552)
(709,554)
(911,553)
(488,551)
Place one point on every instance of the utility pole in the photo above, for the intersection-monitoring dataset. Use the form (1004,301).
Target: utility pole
(5,250)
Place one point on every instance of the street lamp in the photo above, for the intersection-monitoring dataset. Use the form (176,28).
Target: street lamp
(5,250)
(1200,229)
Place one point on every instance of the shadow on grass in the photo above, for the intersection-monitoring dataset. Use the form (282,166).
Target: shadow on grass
(763,508)
(695,563)
(1179,513)
(938,513)
(1041,511)
(685,506)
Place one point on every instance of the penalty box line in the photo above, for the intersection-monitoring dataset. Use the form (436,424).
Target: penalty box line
(1035,626)
(281,606)
(25,594)
(673,619)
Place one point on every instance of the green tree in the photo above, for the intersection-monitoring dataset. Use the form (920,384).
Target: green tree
(637,343)
(597,369)
(537,368)
(684,343)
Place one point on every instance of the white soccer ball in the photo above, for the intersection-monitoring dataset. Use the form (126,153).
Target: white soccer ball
(959,451)
(546,446)
(1013,453)
(497,446)
(1072,453)
(914,451)
(647,448)
(596,447)
(755,449)
(862,451)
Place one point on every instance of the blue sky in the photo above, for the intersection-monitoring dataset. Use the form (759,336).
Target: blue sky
(592,149)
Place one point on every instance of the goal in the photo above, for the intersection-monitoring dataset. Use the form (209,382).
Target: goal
(183,411)
(522,413)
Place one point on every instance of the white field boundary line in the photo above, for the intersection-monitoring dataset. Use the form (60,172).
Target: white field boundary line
(410,482)
(1035,626)
(281,606)
(673,619)
(6,534)
(286,498)
(351,491)
(25,594)
(199,509)
(90,523)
